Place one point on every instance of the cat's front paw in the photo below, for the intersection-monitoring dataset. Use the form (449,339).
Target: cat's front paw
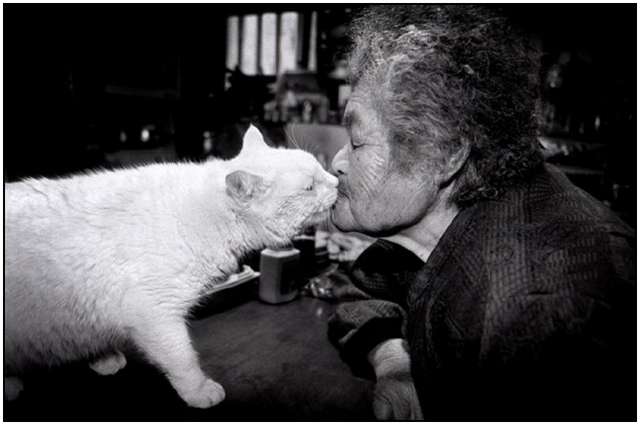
(208,394)
(12,388)
(110,364)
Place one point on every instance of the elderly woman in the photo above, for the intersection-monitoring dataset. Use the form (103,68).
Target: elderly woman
(497,287)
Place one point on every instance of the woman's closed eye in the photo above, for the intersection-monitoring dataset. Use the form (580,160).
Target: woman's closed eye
(355,141)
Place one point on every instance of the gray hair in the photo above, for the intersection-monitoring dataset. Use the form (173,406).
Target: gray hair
(444,77)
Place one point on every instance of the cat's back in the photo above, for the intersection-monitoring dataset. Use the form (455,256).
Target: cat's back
(31,207)
(77,216)
(40,208)
(30,193)
(100,218)
(31,196)
(94,194)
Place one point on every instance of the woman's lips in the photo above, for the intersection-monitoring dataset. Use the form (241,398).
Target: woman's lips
(342,192)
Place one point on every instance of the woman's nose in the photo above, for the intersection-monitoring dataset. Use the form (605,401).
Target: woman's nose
(340,164)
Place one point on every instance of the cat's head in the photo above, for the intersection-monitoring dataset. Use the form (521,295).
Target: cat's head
(279,190)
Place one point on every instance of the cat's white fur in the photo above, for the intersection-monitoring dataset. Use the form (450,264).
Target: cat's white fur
(97,260)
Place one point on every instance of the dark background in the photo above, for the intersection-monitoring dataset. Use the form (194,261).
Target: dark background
(76,75)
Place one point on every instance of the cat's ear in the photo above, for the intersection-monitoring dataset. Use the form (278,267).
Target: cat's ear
(253,140)
(244,186)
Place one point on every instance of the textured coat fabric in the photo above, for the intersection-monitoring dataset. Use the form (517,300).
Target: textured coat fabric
(526,308)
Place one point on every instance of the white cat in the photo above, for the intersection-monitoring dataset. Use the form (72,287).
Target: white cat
(97,260)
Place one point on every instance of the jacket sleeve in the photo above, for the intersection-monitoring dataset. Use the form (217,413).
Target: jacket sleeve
(358,326)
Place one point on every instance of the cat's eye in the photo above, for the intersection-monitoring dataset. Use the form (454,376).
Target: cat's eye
(309,188)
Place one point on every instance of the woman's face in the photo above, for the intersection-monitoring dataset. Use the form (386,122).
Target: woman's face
(373,196)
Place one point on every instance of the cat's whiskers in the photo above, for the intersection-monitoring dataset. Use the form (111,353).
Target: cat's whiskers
(298,144)
(291,137)
(307,148)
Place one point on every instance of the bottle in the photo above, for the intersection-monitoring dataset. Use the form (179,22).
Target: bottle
(306,244)
(279,275)
(307,111)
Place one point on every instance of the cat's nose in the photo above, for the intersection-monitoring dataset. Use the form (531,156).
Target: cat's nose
(333,180)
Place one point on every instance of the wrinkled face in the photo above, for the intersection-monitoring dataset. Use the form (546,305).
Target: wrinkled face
(284,190)
(374,197)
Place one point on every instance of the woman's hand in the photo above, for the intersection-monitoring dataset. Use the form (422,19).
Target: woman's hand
(395,396)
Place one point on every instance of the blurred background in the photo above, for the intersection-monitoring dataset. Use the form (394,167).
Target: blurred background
(90,86)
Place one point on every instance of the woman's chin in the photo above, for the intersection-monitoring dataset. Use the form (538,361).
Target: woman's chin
(342,219)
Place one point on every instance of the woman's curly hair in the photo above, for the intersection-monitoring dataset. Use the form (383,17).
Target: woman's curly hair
(449,76)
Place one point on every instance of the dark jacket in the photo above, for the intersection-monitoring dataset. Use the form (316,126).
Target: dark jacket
(526,308)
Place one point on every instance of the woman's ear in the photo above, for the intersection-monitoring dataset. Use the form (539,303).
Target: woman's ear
(454,163)
(244,186)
